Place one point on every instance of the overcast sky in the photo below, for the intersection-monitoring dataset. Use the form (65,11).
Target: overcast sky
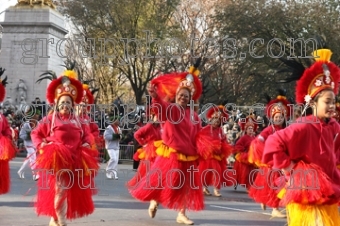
(4,4)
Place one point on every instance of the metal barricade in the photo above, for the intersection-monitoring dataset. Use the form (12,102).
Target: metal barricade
(126,152)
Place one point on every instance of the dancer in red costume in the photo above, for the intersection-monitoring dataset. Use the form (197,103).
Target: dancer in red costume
(146,136)
(306,148)
(213,148)
(173,180)
(264,190)
(63,142)
(7,148)
(83,111)
(242,166)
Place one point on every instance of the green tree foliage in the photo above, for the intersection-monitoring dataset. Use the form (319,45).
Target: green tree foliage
(279,24)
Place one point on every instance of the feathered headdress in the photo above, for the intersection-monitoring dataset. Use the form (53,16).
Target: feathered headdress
(150,111)
(219,112)
(3,83)
(168,85)
(323,74)
(249,121)
(278,105)
(88,94)
(66,84)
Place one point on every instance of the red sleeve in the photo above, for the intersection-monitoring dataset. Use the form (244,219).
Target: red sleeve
(226,148)
(41,132)
(6,130)
(337,145)
(166,111)
(240,145)
(141,133)
(266,133)
(199,124)
(86,134)
(94,129)
(276,146)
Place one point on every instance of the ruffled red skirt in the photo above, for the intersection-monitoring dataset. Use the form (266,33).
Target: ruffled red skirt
(245,174)
(308,185)
(5,180)
(310,197)
(212,171)
(146,156)
(266,187)
(7,149)
(255,152)
(7,153)
(75,170)
(173,183)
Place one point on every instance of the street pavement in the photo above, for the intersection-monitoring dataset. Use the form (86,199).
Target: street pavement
(115,206)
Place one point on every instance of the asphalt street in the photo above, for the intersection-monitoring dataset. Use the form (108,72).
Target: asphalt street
(115,206)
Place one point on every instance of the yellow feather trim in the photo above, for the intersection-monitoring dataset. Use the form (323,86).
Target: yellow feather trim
(70,74)
(218,157)
(85,86)
(194,71)
(165,151)
(322,55)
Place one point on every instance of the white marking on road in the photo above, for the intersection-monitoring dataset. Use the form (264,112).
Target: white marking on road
(241,210)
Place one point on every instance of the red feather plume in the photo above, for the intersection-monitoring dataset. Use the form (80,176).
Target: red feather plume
(167,85)
(2,92)
(89,96)
(51,94)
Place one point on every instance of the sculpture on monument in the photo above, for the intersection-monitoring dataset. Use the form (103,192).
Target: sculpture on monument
(21,91)
(36,2)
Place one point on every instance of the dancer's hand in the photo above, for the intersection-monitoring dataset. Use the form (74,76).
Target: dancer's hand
(287,170)
(44,143)
(86,145)
(152,91)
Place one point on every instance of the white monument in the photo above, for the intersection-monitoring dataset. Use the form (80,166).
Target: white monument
(32,43)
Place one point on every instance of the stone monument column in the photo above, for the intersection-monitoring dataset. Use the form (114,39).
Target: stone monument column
(32,43)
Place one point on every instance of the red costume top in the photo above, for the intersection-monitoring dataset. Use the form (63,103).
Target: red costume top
(337,150)
(269,131)
(7,150)
(180,127)
(242,147)
(257,145)
(93,127)
(148,133)
(310,141)
(146,136)
(66,130)
(4,127)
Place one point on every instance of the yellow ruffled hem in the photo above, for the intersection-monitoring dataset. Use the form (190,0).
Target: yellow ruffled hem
(218,157)
(239,159)
(165,151)
(306,215)
(141,155)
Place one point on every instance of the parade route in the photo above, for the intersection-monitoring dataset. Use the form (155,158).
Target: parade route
(114,206)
